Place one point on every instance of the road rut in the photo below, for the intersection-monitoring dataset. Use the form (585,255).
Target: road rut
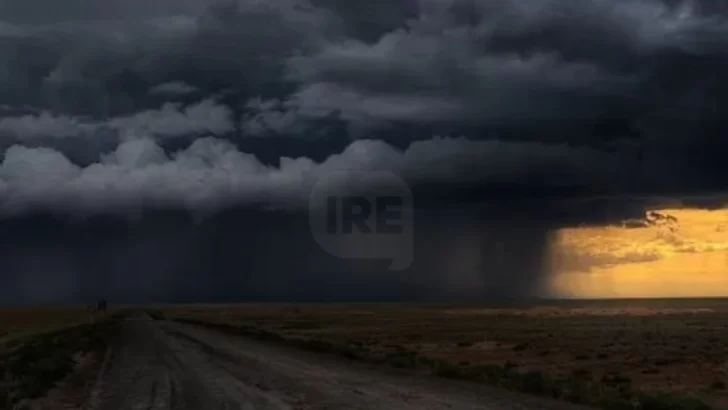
(163,365)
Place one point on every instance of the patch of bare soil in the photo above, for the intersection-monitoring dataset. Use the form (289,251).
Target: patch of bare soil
(168,365)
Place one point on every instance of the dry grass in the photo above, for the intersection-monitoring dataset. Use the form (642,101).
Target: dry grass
(20,322)
(41,346)
(657,347)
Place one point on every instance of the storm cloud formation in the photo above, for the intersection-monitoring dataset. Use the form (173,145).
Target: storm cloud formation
(644,79)
(205,106)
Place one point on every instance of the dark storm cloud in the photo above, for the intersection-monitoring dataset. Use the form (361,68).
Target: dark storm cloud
(221,252)
(433,60)
(173,88)
(44,12)
(203,105)
(44,124)
(435,71)
(212,173)
(172,119)
(642,78)
(206,117)
(487,62)
(639,78)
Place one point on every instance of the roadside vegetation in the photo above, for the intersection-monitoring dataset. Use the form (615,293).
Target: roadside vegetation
(651,361)
(32,363)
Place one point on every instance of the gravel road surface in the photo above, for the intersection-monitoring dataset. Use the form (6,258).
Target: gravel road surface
(168,365)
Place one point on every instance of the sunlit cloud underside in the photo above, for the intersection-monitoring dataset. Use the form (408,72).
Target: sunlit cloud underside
(678,253)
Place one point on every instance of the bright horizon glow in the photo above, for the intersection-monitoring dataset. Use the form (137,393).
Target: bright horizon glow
(685,257)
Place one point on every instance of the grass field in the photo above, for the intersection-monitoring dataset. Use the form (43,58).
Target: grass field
(612,353)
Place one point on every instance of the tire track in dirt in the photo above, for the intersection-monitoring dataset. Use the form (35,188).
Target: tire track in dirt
(159,365)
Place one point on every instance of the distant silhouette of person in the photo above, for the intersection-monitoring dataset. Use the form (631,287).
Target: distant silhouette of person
(101,305)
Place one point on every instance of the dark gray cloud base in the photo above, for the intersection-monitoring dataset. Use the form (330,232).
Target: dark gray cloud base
(212,173)
(248,255)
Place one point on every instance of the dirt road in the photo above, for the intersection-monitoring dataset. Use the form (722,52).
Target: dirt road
(168,365)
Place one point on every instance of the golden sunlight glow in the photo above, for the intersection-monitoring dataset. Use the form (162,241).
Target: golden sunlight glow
(677,253)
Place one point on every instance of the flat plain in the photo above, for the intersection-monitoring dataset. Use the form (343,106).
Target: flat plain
(615,354)
(607,353)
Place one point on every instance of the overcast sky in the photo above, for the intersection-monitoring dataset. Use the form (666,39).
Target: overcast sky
(122,105)
(638,83)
